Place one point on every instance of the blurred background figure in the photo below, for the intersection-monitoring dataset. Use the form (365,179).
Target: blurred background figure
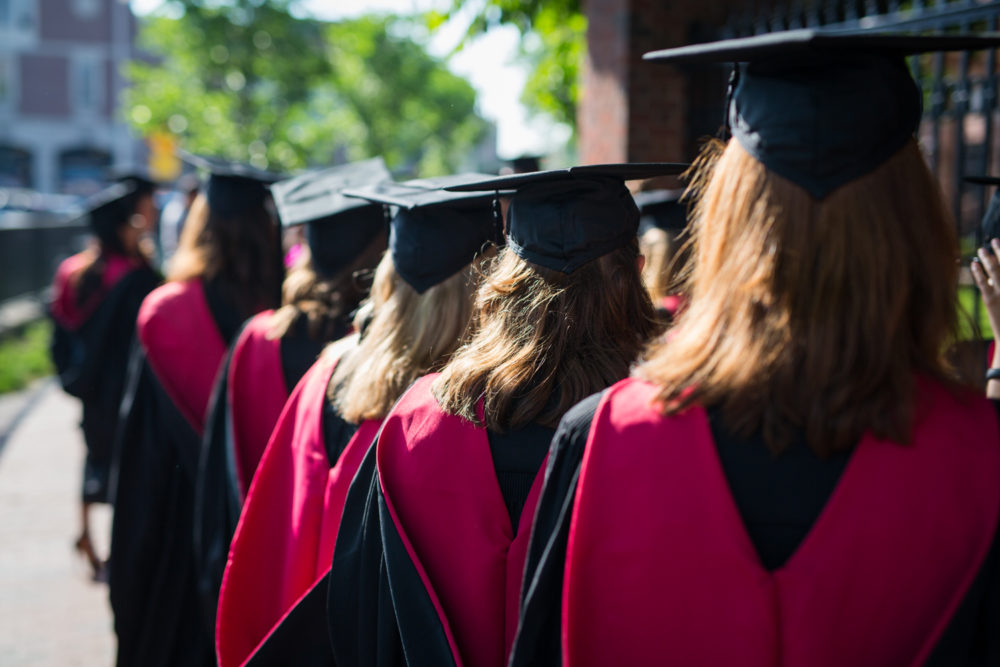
(345,238)
(95,299)
(662,221)
(227,267)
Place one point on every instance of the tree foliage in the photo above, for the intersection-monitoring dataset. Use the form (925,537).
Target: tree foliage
(250,81)
(553,44)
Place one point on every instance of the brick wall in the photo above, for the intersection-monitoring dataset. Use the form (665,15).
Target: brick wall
(641,111)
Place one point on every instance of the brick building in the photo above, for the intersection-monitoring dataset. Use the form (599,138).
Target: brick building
(60,79)
(639,111)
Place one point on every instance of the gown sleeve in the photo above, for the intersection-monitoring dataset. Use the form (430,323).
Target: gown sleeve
(151,568)
(217,497)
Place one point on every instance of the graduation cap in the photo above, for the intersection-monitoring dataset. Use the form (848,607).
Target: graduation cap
(823,108)
(434,233)
(233,188)
(990,224)
(563,218)
(109,209)
(338,228)
(142,180)
(661,209)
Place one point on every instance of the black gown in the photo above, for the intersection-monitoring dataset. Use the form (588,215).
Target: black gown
(778,499)
(217,489)
(368,623)
(152,583)
(92,361)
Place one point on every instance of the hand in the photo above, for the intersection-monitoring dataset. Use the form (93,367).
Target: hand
(986,272)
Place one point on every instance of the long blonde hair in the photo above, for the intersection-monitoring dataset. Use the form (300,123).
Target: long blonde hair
(240,254)
(409,336)
(812,315)
(542,334)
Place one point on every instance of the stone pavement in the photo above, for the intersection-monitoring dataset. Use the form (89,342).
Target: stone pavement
(51,613)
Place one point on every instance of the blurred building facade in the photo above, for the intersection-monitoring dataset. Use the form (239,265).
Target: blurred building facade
(60,78)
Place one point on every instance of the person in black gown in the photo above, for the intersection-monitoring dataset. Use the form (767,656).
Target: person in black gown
(95,298)
(793,476)
(427,565)
(227,268)
(274,349)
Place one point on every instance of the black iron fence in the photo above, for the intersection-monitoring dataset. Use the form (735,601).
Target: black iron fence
(959,133)
(31,246)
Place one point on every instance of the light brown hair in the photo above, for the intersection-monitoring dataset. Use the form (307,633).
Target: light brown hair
(322,301)
(812,316)
(666,255)
(239,254)
(409,336)
(546,340)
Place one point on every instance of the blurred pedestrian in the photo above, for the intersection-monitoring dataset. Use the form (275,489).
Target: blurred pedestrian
(345,239)
(228,267)
(95,299)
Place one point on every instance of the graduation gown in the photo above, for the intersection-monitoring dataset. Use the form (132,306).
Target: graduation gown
(251,389)
(884,555)
(428,562)
(183,331)
(288,526)
(90,346)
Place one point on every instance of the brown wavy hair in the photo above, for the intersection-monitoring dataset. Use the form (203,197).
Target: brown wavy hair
(239,254)
(812,316)
(409,336)
(322,301)
(544,335)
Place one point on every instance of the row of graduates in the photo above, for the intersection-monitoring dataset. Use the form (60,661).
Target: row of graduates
(477,473)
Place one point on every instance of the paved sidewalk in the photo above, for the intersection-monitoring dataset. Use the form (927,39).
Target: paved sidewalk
(50,611)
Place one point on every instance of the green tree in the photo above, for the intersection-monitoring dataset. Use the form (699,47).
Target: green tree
(249,80)
(553,44)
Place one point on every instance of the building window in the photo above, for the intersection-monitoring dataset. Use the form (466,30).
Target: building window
(87,83)
(86,9)
(15,167)
(82,171)
(18,21)
(7,70)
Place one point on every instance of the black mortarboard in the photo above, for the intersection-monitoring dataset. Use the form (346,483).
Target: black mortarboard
(822,108)
(232,187)
(661,209)
(142,180)
(562,219)
(338,228)
(434,233)
(109,209)
(991,220)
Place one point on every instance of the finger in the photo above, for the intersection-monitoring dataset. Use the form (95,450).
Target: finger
(979,276)
(989,263)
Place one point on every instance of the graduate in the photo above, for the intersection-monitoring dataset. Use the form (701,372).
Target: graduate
(428,561)
(346,237)
(95,298)
(794,478)
(662,221)
(226,269)
(421,306)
